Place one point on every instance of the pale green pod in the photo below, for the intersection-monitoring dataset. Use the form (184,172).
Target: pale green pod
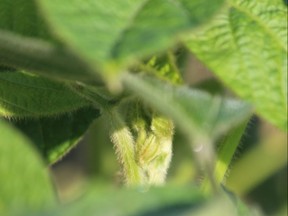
(156,152)
(153,134)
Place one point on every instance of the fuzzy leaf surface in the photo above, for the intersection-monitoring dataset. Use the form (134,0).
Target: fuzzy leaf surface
(25,95)
(247,49)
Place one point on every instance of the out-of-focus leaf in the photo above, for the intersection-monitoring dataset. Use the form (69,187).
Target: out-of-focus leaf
(23,95)
(111,33)
(56,136)
(258,164)
(222,206)
(194,111)
(22,17)
(24,183)
(26,43)
(247,49)
(164,67)
(165,201)
(42,57)
(107,200)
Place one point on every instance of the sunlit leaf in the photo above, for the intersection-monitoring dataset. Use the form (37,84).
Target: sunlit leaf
(247,49)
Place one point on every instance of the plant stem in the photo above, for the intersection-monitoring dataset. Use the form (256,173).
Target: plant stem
(173,63)
(121,136)
(124,144)
(204,153)
(224,156)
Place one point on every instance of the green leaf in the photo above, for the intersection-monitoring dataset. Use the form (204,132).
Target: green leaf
(222,205)
(107,200)
(24,183)
(55,137)
(247,48)
(42,57)
(22,17)
(111,33)
(26,43)
(194,111)
(170,200)
(23,95)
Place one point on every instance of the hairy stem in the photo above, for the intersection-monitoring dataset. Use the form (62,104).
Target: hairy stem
(121,136)
(203,149)
(225,154)
(124,144)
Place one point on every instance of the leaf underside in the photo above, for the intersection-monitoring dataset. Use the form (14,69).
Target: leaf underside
(56,136)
